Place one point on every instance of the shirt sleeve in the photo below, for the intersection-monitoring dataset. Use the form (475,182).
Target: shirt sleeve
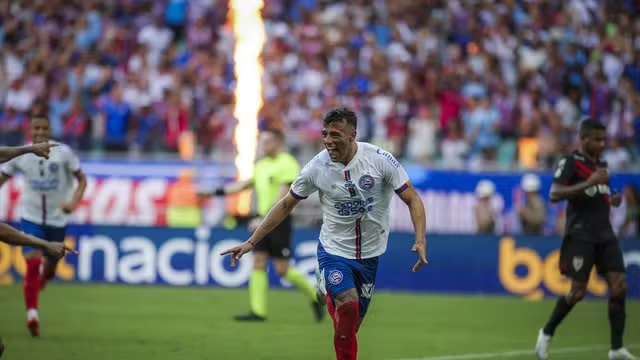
(10,168)
(304,184)
(393,173)
(564,171)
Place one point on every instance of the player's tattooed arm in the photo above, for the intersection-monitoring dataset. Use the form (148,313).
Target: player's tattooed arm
(14,237)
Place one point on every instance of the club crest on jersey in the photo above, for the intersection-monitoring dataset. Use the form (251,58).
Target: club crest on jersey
(366,182)
(53,167)
(335,277)
(578,261)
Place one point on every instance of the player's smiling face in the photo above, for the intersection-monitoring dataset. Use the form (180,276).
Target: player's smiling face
(338,139)
(40,131)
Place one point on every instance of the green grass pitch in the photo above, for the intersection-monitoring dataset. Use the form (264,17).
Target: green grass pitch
(100,322)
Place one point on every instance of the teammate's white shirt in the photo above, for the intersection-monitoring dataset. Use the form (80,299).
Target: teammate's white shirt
(355,199)
(48,183)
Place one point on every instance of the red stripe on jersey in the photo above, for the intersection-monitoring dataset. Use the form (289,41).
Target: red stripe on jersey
(581,166)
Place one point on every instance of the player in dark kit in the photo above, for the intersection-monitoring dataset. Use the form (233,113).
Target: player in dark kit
(582,179)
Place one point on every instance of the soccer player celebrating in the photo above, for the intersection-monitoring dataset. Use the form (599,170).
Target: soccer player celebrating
(582,179)
(45,204)
(272,177)
(355,181)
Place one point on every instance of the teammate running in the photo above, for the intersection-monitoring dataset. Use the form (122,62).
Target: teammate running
(45,204)
(355,181)
(582,179)
(12,236)
(272,177)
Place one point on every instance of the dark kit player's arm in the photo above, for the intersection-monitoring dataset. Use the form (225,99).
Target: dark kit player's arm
(562,189)
(560,192)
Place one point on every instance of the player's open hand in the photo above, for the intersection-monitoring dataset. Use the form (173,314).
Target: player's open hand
(600,176)
(58,249)
(238,251)
(42,149)
(420,248)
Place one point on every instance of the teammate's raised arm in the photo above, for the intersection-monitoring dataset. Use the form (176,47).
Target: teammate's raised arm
(9,152)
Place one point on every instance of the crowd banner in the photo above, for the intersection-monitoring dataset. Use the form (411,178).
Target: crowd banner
(458,264)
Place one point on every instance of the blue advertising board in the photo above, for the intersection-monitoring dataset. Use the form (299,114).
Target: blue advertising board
(465,264)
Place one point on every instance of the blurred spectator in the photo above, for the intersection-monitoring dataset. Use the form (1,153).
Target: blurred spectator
(516,75)
(533,212)
(484,213)
(616,156)
(631,224)
(12,126)
(115,122)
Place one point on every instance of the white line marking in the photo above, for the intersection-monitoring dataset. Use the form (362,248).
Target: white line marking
(517,353)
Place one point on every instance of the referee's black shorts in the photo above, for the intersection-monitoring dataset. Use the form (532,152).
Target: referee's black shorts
(278,242)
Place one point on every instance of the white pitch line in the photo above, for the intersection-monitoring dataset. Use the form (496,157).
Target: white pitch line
(516,353)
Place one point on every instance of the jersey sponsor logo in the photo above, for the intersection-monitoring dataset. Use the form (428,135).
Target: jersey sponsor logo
(351,188)
(366,182)
(389,157)
(44,185)
(355,207)
(595,189)
(335,277)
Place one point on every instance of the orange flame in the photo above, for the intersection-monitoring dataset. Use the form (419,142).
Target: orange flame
(250,37)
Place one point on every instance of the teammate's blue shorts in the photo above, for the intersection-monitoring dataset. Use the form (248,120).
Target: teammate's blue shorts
(45,232)
(340,274)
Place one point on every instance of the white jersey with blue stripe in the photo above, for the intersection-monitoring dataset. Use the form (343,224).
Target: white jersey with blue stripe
(48,184)
(355,199)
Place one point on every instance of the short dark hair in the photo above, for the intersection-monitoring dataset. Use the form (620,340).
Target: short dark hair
(38,116)
(589,124)
(275,132)
(341,114)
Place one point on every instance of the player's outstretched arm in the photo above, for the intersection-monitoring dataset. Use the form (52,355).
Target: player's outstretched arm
(9,152)
(274,217)
(416,208)
(560,192)
(12,236)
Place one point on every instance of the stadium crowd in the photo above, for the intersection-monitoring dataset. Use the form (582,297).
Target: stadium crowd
(455,83)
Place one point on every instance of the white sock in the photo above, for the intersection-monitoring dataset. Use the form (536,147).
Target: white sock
(32,314)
